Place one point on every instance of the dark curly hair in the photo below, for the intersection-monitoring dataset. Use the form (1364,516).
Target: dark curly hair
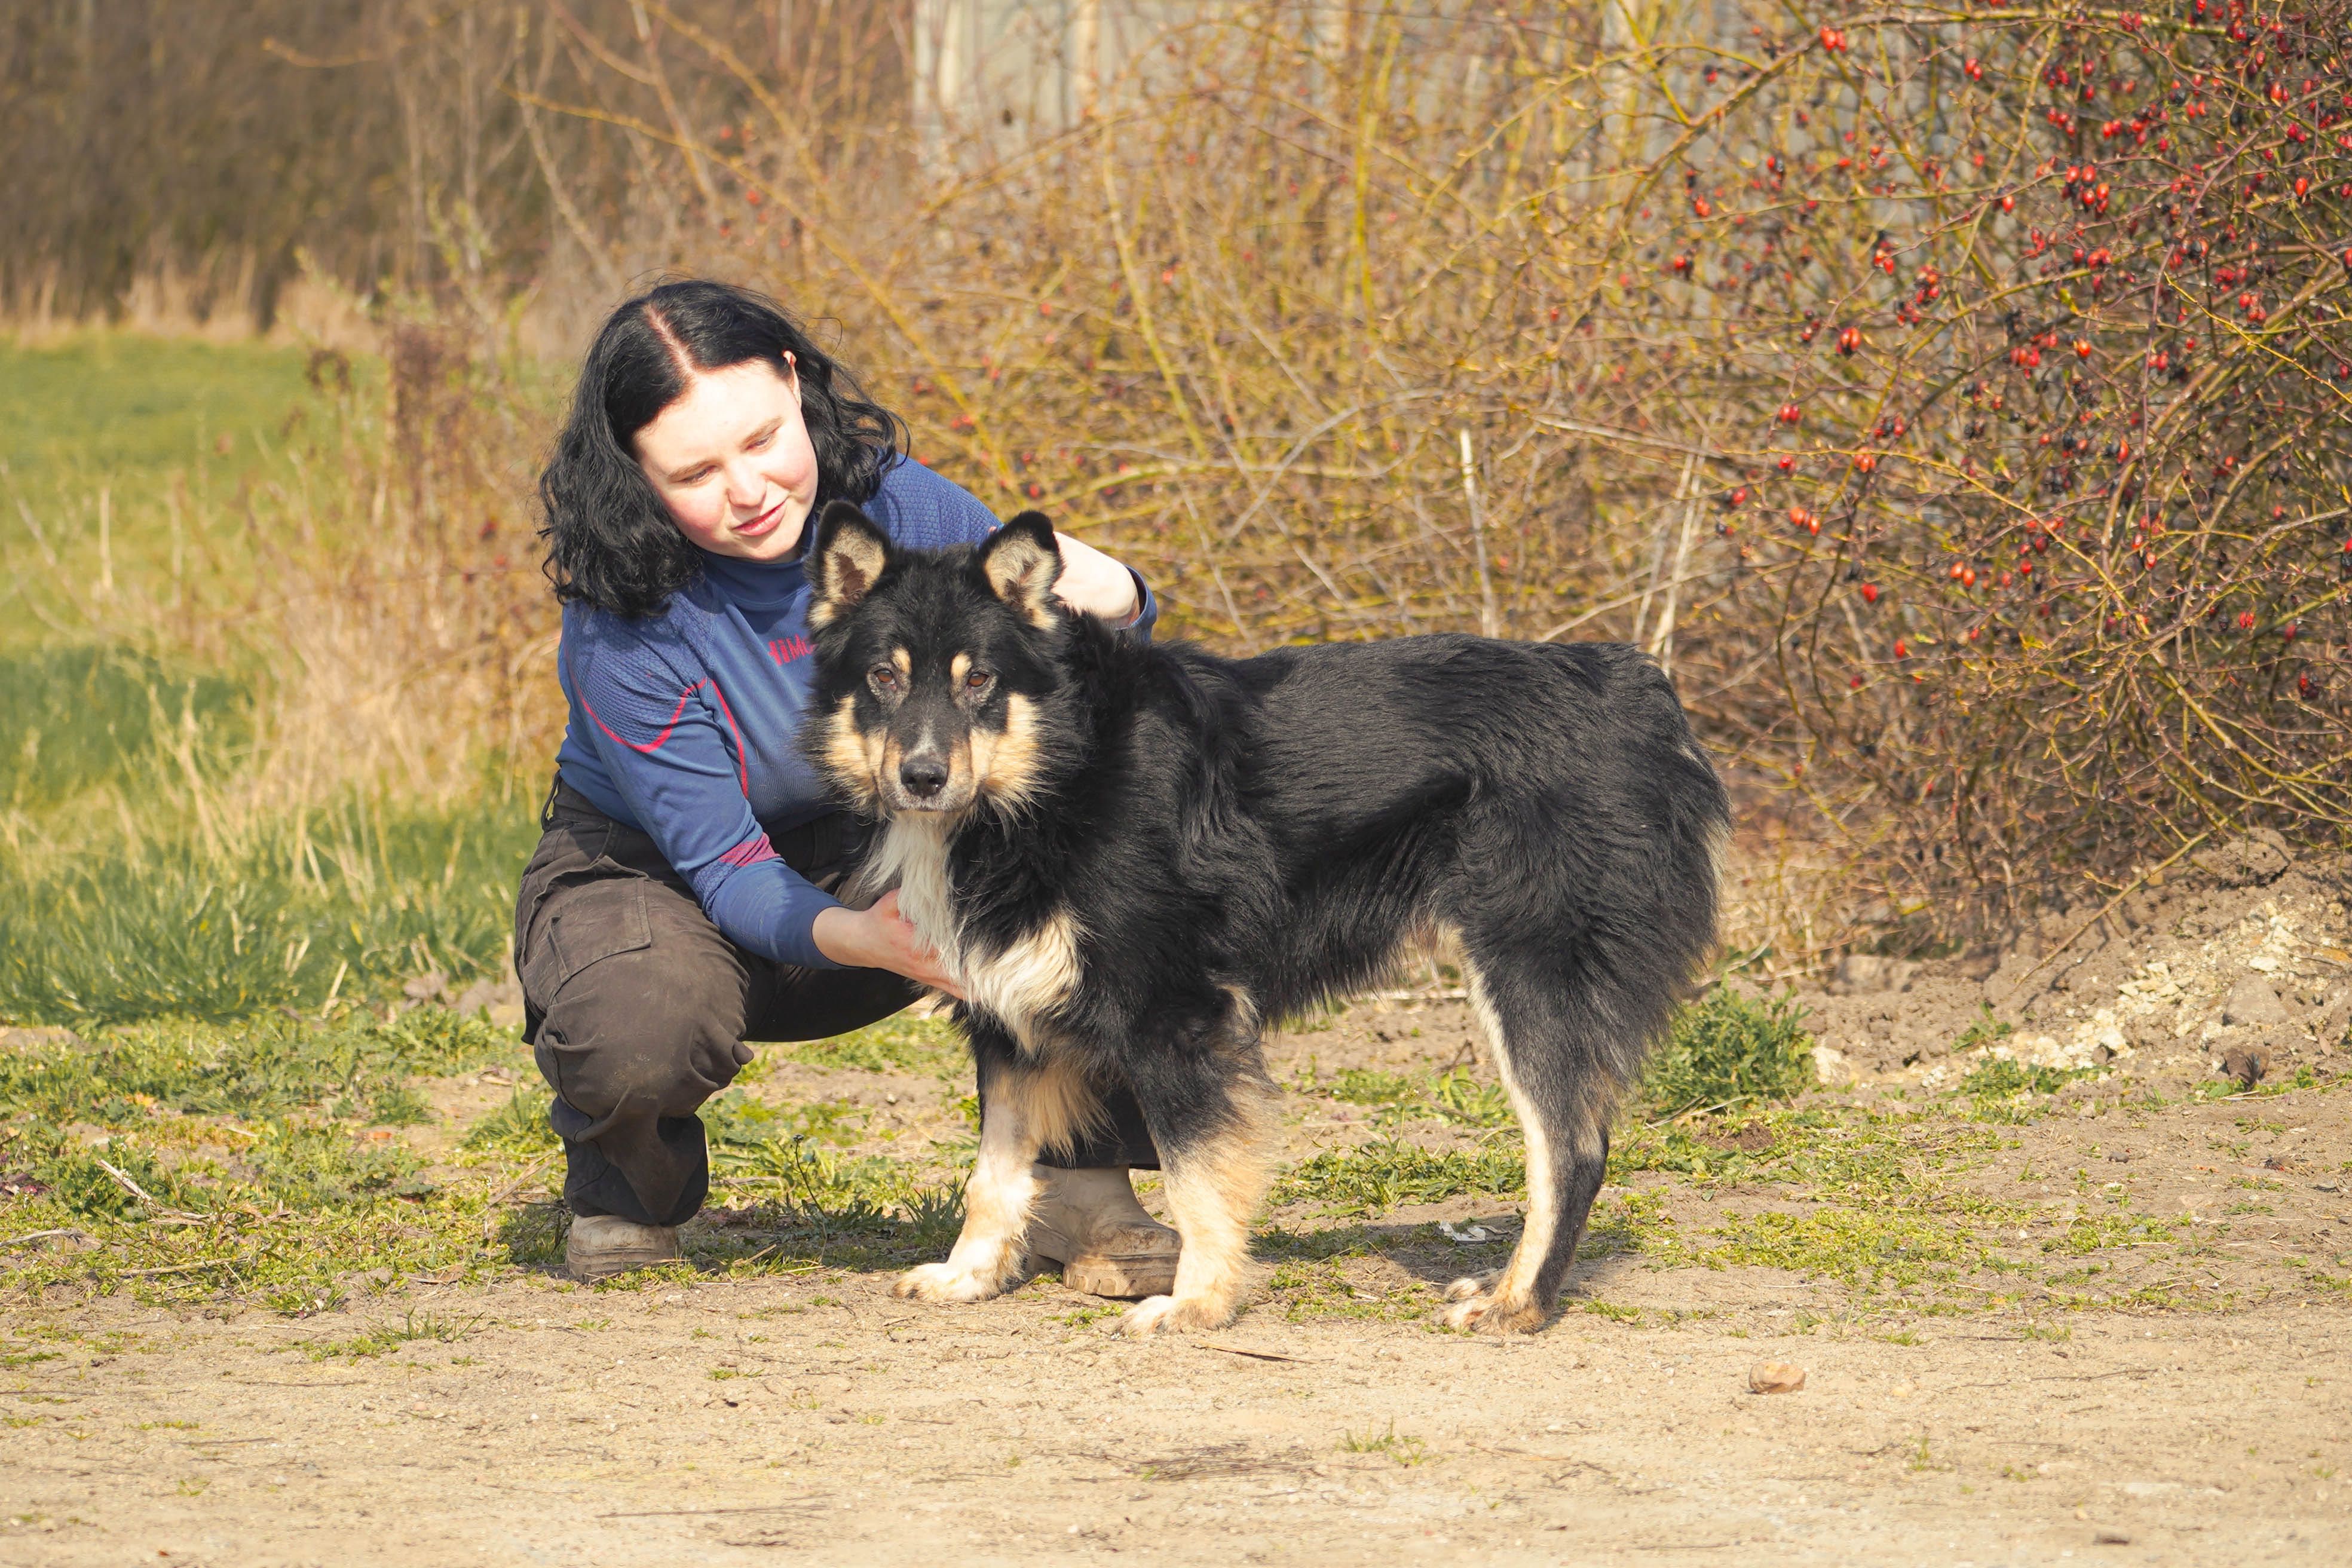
(609,540)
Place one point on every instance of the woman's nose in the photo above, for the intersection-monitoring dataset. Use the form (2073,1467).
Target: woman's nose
(745,488)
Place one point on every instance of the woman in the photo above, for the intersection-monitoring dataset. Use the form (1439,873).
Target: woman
(678,904)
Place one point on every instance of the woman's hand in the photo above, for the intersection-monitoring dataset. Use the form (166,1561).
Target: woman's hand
(882,938)
(1094,585)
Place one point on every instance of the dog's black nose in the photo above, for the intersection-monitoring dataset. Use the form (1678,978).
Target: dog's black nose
(923,776)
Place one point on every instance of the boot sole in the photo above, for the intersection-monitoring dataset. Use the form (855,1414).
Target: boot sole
(1121,1277)
(590,1269)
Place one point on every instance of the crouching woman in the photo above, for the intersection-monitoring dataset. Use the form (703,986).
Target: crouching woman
(679,903)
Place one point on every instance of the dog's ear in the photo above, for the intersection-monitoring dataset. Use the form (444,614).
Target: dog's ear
(1021,562)
(845,560)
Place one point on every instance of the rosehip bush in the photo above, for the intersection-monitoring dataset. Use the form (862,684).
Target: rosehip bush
(2069,523)
(1955,400)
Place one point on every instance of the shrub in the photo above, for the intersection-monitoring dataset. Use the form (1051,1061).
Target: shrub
(1727,1050)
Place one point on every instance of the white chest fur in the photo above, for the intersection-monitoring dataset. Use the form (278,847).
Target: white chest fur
(1022,984)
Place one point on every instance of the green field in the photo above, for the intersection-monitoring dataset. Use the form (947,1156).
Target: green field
(127,466)
(142,873)
(109,407)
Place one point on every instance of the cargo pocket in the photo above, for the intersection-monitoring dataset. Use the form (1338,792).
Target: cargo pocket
(605,917)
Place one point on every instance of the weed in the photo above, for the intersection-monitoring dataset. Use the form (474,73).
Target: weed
(412,1328)
(1998,1078)
(1084,1317)
(1373,1178)
(1729,1049)
(1456,1096)
(517,1127)
(1404,1449)
(1983,1030)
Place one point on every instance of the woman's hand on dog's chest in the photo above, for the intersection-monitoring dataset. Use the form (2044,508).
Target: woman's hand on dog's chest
(882,938)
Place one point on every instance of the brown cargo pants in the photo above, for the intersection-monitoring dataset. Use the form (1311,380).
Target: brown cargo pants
(637,1008)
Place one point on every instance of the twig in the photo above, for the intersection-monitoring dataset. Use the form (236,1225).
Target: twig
(43,1235)
(133,1188)
(183,1268)
(692,1512)
(490,1209)
(1254,1356)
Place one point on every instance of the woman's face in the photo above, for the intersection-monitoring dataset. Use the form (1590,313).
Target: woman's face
(730,458)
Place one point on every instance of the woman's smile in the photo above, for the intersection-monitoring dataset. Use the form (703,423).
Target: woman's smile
(764,524)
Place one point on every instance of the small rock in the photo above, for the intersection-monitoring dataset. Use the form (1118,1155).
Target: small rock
(2120,1156)
(2246,1064)
(1831,1067)
(1775,1377)
(1864,973)
(1982,963)
(2258,858)
(2110,1538)
(490,994)
(2252,1004)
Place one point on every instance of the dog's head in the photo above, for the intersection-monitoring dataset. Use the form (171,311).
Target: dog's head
(932,665)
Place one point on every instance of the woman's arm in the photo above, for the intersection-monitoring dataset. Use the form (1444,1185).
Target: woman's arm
(881,938)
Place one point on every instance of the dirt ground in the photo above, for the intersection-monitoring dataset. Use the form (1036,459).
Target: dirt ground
(2137,1354)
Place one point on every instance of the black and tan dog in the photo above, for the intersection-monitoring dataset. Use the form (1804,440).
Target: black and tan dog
(1136,857)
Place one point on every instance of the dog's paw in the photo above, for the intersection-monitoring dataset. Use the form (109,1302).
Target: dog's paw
(945,1283)
(1174,1314)
(1471,1285)
(1478,1308)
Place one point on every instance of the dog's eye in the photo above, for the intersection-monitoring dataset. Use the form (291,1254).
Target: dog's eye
(883,678)
(979,681)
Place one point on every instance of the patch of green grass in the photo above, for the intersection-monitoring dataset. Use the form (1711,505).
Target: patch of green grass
(736,1119)
(518,1128)
(415,1328)
(1728,1050)
(1373,1178)
(348,904)
(177,433)
(1456,1096)
(1404,1449)
(1999,1078)
(77,717)
(904,1043)
(354,1067)
(1858,1248)
(1307,1289)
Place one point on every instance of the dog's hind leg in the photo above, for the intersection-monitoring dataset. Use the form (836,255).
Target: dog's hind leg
(1214,1150)
(1029,1106)
(1564,1103)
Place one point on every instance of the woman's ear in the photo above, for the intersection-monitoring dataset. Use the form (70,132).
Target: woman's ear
(1021,561)
(847,556)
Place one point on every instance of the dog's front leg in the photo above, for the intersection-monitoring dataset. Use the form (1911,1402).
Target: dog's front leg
(1015,1121)
(1217,1172)
(987,1258)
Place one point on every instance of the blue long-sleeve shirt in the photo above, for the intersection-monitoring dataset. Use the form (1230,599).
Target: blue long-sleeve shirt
(685,725)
